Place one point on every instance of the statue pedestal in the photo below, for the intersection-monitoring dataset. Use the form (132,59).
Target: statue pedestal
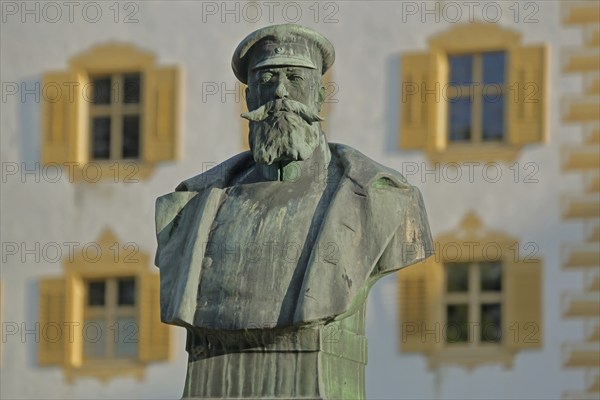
(315,362)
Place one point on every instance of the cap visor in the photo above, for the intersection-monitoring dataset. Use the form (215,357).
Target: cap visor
(284,61)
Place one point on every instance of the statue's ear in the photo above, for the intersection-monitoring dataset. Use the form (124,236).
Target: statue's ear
(322,96)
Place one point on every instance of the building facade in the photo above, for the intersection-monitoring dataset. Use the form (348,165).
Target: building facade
(490,108)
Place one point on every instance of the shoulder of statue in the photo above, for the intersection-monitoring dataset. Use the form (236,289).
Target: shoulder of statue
(365,171)
(219,175)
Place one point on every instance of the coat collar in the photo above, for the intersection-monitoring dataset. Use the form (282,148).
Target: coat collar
(357,167)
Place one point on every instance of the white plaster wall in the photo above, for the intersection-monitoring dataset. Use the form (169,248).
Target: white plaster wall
(368,37)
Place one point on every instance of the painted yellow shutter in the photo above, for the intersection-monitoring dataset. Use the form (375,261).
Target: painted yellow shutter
(527,95)
(74,305)
(414,118)
(60,96)
(154,336)
(161,111)
(419,294)
(51,346)
(523,303)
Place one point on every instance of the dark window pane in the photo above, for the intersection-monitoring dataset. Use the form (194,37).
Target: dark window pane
(460,119)
(491,276)
(131,88)
(457,277)
(493,67)
(101,138)
(96,293)
(461,69)
(456,323)
(127,338)
(101,91)
(131,136)
(493,117)
(491,323)
(126,291)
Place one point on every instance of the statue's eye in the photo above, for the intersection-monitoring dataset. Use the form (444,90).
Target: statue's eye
(266,77)
(295,78)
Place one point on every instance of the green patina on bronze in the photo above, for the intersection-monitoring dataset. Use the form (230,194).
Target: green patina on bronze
(268,258)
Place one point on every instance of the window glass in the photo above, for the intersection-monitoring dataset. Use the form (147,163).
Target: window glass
(457,277)
(101,138)
(461,69)
(493,67)
(473,311)
(493,118)
(131,88)
(491,276)
(101,90)
(456,323)
(460,119)
(115,131)
(126,290)
(94,339)
(491,322)
(476,113)
(127,337)
(96,293)
(131,136)
(111,324)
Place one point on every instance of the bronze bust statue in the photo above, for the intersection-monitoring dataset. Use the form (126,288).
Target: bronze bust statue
(268,258)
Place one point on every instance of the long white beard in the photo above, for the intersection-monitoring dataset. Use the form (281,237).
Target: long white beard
(283,130)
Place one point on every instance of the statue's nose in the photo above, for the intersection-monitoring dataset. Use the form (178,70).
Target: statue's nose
(280,91)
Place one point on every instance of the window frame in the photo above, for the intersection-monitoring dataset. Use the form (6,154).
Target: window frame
(422,292)
(424,84)
(109,313)
(474,297)
(64,301)
(116,110)
(477,99)
(67,109)
(77,275)
(479,38)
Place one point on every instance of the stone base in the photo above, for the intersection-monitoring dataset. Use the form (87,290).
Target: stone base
(319,362)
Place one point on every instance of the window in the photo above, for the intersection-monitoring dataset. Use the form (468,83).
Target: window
(115,114)
(475,97)
(110,307)
(476,301)
(102,318)
(473,302)
(113,107)
(476,94)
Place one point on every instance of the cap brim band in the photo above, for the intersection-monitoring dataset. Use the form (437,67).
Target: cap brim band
(284,61)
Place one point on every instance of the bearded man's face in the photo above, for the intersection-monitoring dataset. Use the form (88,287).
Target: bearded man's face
(284,104)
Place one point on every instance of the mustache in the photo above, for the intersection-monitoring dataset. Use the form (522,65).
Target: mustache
(282,105)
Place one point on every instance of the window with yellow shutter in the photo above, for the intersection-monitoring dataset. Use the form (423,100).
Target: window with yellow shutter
(476,112)
(110,314)
(477,301)
(114,108)
(102,318)
(115,114)
(476,94)
(473,303)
